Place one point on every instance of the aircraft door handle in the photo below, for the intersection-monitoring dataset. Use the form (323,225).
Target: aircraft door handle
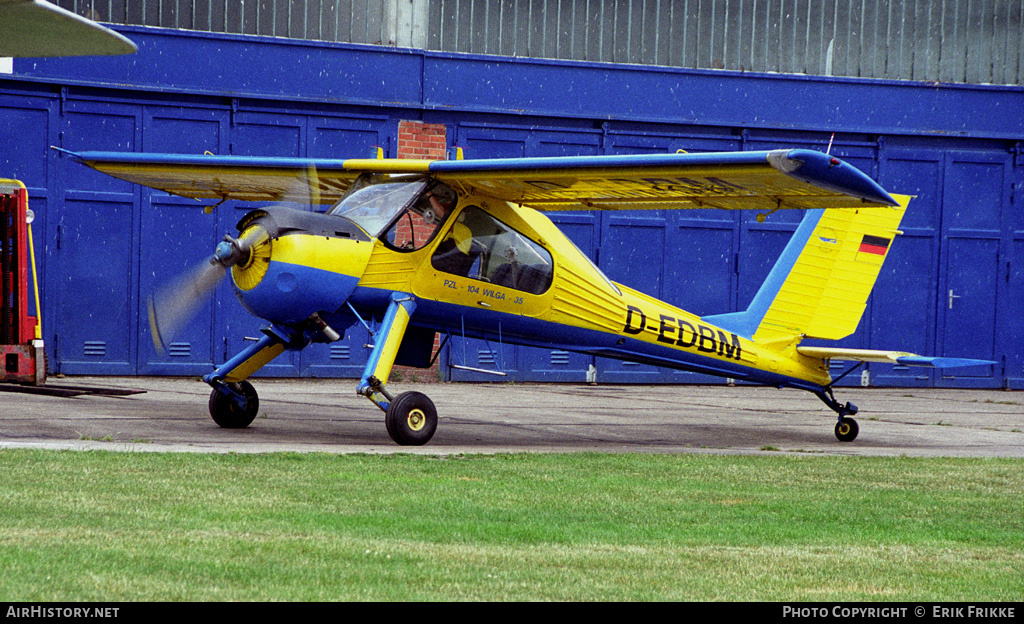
(951,298)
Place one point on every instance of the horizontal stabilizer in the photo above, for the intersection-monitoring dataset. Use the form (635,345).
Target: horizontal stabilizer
(940,362)
(890,357)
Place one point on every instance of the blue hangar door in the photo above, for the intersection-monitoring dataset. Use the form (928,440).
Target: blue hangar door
(947,276)
(96,279)
(117,243)
(975,190)
(176,237)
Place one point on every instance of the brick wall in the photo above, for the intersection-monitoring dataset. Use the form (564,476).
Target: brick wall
(423,141)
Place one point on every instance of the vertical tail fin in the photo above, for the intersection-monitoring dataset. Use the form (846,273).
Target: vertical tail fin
(820,284)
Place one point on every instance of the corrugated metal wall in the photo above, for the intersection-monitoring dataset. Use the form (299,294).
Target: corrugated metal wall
(963,41)
(349,21)
(973,41)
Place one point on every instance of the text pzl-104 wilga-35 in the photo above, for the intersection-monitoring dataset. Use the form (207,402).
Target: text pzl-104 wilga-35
(463,247)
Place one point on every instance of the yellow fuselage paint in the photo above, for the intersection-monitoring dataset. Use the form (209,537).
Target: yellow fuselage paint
(654,321)
(336,255)
(580,296)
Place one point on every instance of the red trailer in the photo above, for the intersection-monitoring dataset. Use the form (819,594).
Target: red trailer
(21,344)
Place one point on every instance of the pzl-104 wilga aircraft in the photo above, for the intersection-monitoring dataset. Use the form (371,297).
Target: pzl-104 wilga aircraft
(462,247)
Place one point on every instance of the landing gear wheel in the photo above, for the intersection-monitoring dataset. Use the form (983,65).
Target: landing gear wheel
(229,414)
(847,430)
(411,419)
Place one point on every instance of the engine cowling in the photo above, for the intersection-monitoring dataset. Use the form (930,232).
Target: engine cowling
(299,263)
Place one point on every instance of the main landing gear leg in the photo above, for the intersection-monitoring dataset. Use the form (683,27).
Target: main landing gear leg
(234,402)
(846,428)
(410,418)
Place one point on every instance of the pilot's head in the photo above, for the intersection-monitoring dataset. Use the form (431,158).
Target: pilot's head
(440,200)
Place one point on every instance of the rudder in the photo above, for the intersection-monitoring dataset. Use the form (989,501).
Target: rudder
(820,284)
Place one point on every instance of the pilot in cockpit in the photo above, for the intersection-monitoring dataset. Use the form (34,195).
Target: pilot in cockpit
(416,226)
(462,250)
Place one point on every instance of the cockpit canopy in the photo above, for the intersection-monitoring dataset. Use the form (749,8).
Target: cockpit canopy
(406,212)
(402,211)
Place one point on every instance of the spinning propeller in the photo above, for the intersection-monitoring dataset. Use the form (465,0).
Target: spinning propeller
(174,304)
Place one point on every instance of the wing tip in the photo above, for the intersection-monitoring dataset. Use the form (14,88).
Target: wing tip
(68,153)
(830,172)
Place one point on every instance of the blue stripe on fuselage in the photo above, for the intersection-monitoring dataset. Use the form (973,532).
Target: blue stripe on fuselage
(528,331)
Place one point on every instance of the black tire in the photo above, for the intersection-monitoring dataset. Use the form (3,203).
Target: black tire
(847,430)
(230,415)
(411,419)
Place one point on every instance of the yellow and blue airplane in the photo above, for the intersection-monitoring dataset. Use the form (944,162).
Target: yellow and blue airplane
(463,247)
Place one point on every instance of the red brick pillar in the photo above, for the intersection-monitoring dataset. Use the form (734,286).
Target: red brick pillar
(426,142)
(422,140)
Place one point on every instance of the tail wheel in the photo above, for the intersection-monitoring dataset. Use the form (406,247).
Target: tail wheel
(847,430)
(229,414)
(411,419)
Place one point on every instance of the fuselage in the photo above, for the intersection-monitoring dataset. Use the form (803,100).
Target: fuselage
(573,306)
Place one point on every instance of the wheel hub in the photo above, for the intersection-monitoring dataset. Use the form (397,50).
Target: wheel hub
(416,419)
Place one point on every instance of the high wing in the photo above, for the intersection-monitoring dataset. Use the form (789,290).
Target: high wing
(728,180)
(241,177)
(766,180)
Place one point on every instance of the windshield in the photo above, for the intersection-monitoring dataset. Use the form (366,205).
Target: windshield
(373,202)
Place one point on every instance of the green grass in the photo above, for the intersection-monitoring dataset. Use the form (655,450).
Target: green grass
(84,526)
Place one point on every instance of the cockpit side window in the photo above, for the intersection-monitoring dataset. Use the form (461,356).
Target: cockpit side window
(480,247)
(420,222)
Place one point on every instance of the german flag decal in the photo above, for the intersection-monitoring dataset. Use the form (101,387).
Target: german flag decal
(874,245)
